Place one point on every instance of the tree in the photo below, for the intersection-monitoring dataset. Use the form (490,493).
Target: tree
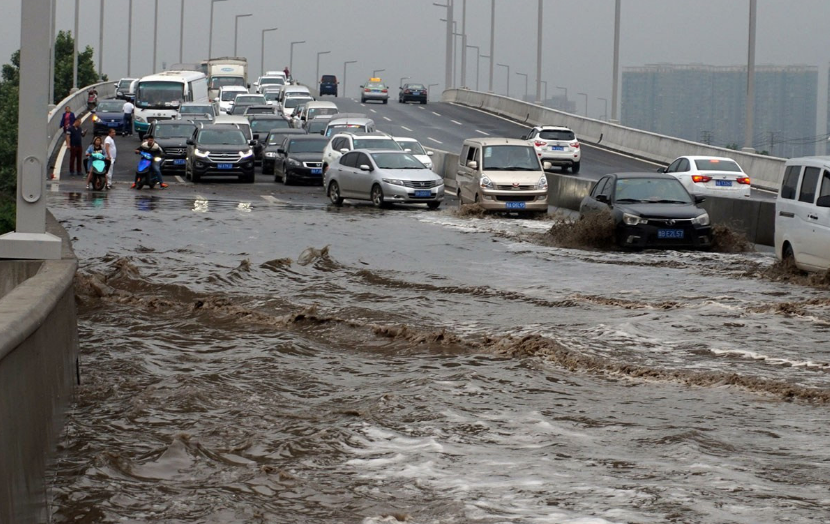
(64,48)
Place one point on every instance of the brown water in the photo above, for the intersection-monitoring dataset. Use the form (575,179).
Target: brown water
(248,361)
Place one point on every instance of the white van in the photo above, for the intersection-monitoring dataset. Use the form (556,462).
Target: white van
(802,213)
(158,97)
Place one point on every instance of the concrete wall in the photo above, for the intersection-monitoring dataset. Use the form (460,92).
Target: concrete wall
(764,171)
(38,355)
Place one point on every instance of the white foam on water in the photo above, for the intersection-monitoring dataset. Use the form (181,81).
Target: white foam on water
(777,361)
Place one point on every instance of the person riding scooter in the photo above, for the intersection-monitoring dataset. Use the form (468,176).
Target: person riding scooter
(150,146)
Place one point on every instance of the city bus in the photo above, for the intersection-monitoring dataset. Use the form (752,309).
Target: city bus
(158,97)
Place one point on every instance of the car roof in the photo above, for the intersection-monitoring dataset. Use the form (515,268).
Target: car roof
(497,141)
(196,104)
(404,139)
(349,120)
(231,119)
(177,122)
(358,134)
(233,88)
(321,103)
(214,127)
(703,157)
(287,131)
(306,136)
(643,174)
(266,116)
(553,128)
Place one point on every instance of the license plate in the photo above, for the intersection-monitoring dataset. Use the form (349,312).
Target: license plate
(557,148)
(423,193)
(669,233)
(514,205)
(224,166)
(723,183)
(416,92)
(317,171)
(178,162)
(113,124)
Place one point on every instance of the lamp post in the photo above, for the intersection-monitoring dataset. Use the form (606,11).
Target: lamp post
(344,72)
(492,39)
(75,49)
(129,39)
(262,51)
(478,61)
(236,30)
(616,67)
(376,71)
(539,55)
(448,72)
(524,75)
(429,88)
(181,31)
(750,80)
(605,111)
(565,89)
(508,77)
(586,103)
(402,79)
(291,57)
(155,34)
(318,66)
(546,89)
(101,39)
(210,30)
(463,43)
(454,35)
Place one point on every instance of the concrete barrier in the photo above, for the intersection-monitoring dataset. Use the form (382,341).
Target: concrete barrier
(38,357)
(764,171)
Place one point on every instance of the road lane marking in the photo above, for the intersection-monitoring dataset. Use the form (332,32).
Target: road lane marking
(421,108)
(387,119)
(436,141)
(456,122)
(404,127)
(373,111)
(436,114)
(482,132)
(180,179)
(272,199)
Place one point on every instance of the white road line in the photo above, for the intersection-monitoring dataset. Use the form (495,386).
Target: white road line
(482,132)
(180,179)
(421,108)
(436,114)
(272,199)
(373,111)
(387,119)
(404,127)
(456,122)
(436,141)
(56,173)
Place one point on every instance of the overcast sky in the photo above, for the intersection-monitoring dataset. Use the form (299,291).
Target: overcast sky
(407,38)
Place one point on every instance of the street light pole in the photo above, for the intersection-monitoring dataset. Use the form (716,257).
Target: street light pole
(565,89)
(236,31)
(586,103)
(524,75)
(463,43)
(291,57)
(262,51)
(605,112)
(429,88)
(344,73)
(750,79)
(318,67)
(539,56)
(101,40)
(130,40)
(450,80)
(210,30)
(155,34)
(181,31)
(402,79)
(546,90)
(492,39)
(616,69)
(75,50)
(376,71)
(508,77)
(478,62)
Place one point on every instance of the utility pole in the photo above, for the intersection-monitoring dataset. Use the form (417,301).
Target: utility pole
(448,73)
(539,56)
(750,80)
(615,117)
(492,40)
(101,40)
(463,43)
(130,40)
(75,50)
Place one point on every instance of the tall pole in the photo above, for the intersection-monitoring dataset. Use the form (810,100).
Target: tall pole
(478,61)
(262,51)
(750,79)
(30,239)
(210,30)
(539,56)
(75,50)
(376,71)
(101,40)
(463,43)
(155,35)
(181,32)
(317,75)
(291,57)
(524,75)
(448,67)
(586,103)
(236,31)
(344,73)
(52,54)
(130,40)
(508,77)
(605,112)
(615,117)
(492,39)
(546,90)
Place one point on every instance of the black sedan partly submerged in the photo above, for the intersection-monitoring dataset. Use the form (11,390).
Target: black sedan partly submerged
(650,210)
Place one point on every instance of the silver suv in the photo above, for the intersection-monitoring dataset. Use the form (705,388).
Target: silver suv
(556,146)
(344,142)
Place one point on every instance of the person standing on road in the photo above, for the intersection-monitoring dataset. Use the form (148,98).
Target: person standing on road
(111,151)
(67,119)
(149,146)
(287,74)
(92,99)
(128,117)
(75,143)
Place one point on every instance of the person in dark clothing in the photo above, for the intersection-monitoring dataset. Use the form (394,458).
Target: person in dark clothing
(75,143)
(150,146)
(67,119)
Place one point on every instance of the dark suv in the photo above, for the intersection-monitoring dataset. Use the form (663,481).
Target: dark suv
(172,136)
(220,150)
(328,85)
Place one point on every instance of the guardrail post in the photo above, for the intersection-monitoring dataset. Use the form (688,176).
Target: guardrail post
(30,239)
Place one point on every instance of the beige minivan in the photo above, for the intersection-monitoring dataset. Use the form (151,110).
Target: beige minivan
(501,174)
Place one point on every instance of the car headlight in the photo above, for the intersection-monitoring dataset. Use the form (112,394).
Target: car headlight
(293,162)
(270,154)
(394,181)
(428,165)
(157,159)
(202,154)
(140,119)
(243,154)
(633,220)
(701,220)
(542,183)
(95,118)
(486,183)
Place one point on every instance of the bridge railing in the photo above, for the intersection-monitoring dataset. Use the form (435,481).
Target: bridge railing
(764,171)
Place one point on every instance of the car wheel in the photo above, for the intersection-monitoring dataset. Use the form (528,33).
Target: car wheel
(386,101)
(250,178)
(362,100)
(433,205)
(334,194)
(377,196)
(286,179)
(423,102)
(196,177)
(788,256)
(575,167)
(141,135)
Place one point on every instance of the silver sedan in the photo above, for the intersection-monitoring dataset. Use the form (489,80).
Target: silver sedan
(384,177)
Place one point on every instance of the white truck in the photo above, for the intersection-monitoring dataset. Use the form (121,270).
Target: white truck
(226,71)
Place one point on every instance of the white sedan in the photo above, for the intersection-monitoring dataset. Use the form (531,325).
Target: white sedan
(710,176)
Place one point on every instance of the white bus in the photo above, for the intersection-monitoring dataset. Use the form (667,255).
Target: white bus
(158,97)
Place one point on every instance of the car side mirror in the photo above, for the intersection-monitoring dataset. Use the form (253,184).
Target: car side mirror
(281,151)
(344,150)
(602,198)
(256,136)
(361,86)
(430,153)
(190,142)
(472,164)
(252,143)
(525,137)
(699,199)
(661,169)
(364,167)
(249,86)
(323,132)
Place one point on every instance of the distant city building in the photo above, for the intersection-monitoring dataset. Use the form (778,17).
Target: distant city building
(707,104)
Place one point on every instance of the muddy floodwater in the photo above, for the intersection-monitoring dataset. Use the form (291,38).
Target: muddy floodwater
(252,361)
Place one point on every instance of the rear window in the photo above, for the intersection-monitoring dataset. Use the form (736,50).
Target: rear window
(808,185)
(557,135)
(376,143)
(790,182)
(717,165)
(329,79)
(264,126)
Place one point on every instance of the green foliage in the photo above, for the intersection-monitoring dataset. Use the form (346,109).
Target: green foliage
(732,146)
(64,47)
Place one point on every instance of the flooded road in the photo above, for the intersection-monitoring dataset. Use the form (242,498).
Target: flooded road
(252,358)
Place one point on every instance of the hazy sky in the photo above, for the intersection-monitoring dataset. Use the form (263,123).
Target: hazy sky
(406,37)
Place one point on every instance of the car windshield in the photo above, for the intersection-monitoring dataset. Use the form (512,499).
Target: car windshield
(272,81)
(174,131)
(557,134)
(272,96)
(336,128)
(511,158)
(315,145)
(227,96)
(218,81)
(714,164)
(397,161)
(115,106)
(375,85)
(270,110)
(124,83)
(196,110)
(291,103)
(376,143)
(655,190)
(229,137)
(317,111)
(264,126)
(249,100)
(416,87)
(328,79)
(276,139)
(316,127)
(413,146)
(159,94)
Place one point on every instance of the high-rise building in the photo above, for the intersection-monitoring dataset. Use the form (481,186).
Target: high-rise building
(707,104)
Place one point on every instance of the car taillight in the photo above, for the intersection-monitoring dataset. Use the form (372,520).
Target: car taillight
(366,90)
(539,143)
(575,145)
(700,178)
(406,91)
(384,90)
(744,180)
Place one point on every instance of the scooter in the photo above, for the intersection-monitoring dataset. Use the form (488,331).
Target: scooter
(144,172)
(98,166)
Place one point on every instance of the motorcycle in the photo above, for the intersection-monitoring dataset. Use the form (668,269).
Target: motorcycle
(98,166)
(144,172)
